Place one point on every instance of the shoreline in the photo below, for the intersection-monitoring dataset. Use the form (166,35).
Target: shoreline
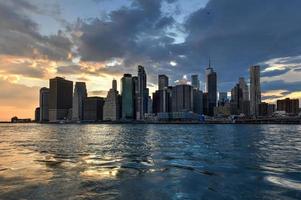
(237,122)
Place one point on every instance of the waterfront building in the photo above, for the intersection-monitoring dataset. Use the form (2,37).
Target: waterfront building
(80,94)
(37,114)
(60,99)
(236,99)
(142,96)
(44,104)
(162,81)
(244,88)
(255,91)
(149,105)
(211,89)
(195,82)
(197,101)
(93,109)
(290,106)
(127,96)
(111,107)
(182,98)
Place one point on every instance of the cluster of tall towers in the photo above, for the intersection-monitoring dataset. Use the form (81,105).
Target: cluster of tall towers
(60,102)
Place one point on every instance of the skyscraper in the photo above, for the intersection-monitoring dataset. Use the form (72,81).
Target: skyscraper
(255,92)
(245,89)
(60,98)
(211,89)
(142,96)
(182,98)
(162,81)
(80,94)
(127,97)
(44,104)
(197,101)
(93,109)
(195,81)
(111,107)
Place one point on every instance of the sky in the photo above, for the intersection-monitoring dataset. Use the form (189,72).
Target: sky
(99,40)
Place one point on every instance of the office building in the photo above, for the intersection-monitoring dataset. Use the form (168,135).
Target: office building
(290,106)
(60,99)
(142,96)
(93,109)
(195,82)
(255,91)
(80,94)
(211,89)
(197,101)
(37,114)
(182,98)
(111,107)
(44,104)
(162,81)
(244,88)
(127,96)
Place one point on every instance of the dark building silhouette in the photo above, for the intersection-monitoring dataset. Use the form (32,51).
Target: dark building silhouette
(93,109)
(162,100)
(211,89)
(128,97)
(44,104)
(290,106)
(197,101)
(60,98)
(162,81)
(37,114)
(182,98)
(142,95)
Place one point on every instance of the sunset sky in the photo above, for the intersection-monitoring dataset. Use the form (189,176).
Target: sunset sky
(98,40)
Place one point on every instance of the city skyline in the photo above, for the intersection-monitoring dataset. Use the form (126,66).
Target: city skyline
(176,38)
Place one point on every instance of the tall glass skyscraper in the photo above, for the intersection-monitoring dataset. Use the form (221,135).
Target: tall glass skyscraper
(80,94)
(127,97)
(142,96)
(211,89)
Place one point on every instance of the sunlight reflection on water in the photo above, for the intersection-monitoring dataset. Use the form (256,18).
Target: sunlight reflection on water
(150,161)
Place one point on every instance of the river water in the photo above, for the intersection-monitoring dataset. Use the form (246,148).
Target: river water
(150,161)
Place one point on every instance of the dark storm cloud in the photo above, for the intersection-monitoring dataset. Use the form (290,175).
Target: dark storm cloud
(135,34)
(238,33)
(19,34)
(234,33)
(279,84)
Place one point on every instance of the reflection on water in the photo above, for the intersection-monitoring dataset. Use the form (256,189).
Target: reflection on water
(150,161)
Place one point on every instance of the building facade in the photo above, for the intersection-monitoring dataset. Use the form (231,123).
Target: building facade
(60,99)
(195,82)
(290,106)
(182,98)
(111,107)
(93,109)
(80,94)
(162,81)
(44,104)
(255,91)
(142,96)
(127,96)
(211,87)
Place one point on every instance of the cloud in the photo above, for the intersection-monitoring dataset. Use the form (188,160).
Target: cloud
(19,34)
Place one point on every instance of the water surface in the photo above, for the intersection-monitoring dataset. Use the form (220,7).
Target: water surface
(150,161)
